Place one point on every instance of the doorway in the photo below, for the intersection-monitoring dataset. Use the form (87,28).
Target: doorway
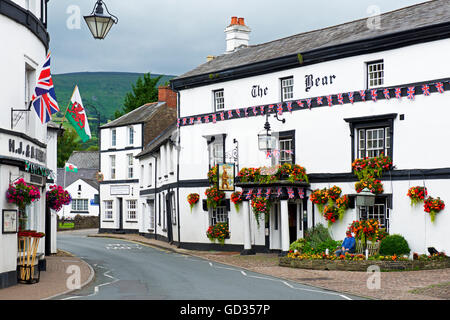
(120,213)
(169,217)
(292,216)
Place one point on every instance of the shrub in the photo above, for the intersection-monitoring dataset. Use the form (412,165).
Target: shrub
(317,235)
(394,244)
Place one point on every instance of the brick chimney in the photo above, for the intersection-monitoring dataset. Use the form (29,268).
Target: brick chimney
(237,34)
(165,94)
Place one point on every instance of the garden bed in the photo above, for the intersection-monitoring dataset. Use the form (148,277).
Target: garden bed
(363,265)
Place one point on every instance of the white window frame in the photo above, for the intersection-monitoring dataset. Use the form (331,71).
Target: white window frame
(371,144)
(130,136)
(219,214)
(287,88)
(174,209)
(379,212)
(375,74)
(285,157)
(219,100)
(113,137)
(112,162)
(130,161)
(108,209)
(131,209)
(216,152)
(80,204)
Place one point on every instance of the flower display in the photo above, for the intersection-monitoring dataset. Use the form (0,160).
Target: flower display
(218,232)
(375,186)
(320,198)
(22,194)
(236,198)
(193,198)
(260,206)
(294,172)
(248,174)
(433,206)
(30,234)
(57,197)
(367,230)
(331,214)
(333,193)
(342,205)
(213,197)
(371,166)
(212,176)
(417,194)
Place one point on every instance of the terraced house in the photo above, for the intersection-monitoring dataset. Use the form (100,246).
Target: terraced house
(321,99)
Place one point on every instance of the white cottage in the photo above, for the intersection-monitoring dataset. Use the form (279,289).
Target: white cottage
(329,96)
(120,141)
(27,150)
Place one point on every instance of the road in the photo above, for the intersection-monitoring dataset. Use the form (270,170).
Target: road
(129,271)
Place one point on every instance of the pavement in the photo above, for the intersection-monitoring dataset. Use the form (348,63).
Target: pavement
(410,285)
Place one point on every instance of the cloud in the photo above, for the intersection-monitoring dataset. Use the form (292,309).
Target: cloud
(175,36)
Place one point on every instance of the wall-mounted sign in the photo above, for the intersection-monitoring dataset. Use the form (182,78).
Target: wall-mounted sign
(312,81)
(226,176)
(9,218)
(37,169)
(257,91)
(119,190)
(26,150)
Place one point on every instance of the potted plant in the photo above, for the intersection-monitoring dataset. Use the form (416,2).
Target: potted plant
(22,194)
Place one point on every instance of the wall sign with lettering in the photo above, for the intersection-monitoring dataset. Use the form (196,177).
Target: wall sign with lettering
(26,150)
(312,81)
(257,91)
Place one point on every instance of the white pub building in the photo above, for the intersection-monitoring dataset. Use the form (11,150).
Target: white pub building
(27,148)
(330,96)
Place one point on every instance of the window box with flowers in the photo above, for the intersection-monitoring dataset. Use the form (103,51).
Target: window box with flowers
(219,232)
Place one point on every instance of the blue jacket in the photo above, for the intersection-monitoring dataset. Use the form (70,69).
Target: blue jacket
(349,243)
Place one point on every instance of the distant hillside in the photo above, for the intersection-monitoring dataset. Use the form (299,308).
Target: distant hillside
(105,90)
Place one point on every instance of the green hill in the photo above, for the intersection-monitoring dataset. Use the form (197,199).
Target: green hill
(104,90)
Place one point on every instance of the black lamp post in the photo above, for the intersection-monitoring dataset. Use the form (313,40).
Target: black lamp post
(99,23)
(265,140)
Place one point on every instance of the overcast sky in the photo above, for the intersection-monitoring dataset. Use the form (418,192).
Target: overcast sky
(175,36)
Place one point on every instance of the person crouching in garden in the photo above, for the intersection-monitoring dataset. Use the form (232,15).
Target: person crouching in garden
(348,245)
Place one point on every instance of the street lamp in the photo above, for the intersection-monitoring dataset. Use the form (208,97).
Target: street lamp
(266,141)
(99,23)
(365,198)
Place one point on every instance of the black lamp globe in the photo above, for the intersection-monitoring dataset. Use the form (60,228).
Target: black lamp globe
(99,23)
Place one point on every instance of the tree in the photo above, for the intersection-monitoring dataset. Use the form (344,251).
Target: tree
(144,91)
(67,143)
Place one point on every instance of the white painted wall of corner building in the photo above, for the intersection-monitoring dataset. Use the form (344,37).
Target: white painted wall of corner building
(323,143)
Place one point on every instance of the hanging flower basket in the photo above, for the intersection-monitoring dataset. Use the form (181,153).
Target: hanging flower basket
(22,194)
(417,194)
(371,166)
(218,232)
(433,206)
(320,198)
(57,197)
(193,199)
(293,172)
(236,198)
(213,197)
(342,205)
(375,186)
(331,214)
(260,206)
(333,193)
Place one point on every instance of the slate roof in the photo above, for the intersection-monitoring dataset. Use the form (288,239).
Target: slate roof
(408,18)
(138,115)
(85,159)
(65,179)
(165,135)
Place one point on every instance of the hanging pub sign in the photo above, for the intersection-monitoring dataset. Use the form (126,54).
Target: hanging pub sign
(225,178)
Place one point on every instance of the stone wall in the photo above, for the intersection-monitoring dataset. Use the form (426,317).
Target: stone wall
(348,265)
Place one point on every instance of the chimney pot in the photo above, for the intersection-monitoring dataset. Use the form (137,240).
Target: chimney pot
(234,20)
(241,21)
(237,34)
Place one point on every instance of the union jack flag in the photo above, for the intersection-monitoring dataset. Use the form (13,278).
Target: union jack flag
(426,90)
(280,109)
(271,108)
(258,194)
(351,97)
(440,87)
(279,192)
(411,93)
(246,112)
(191,120)
(362,93)
(230,114)
(261,109)
(249,194)
(184,121)
(319,100)
(44,97)
(178,122)
(386,93)
(206,119)
(268,192)
(199,120)
(255,112)
(308,101)
(289,106)
(222,116)
(340,98)
(238,112)
(290,191)
(374,94)
(301,193)
(330,100)
(398,93)
(214,118)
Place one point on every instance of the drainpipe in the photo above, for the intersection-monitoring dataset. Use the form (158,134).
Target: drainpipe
(178,148)
(156,180)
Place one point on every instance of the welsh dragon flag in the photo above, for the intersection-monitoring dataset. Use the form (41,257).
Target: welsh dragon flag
(77,117)
(71,168)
